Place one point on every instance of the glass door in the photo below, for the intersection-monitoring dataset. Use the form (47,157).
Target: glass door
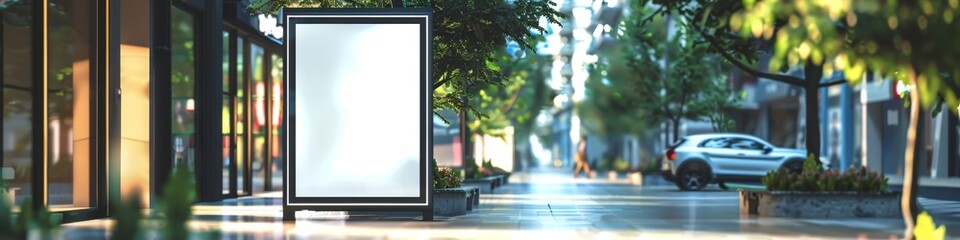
(276,122)
(183,85)
(49,104)
(235,115)
(69,104)
(241,122)
(258,132)
(17,58)
(229,186)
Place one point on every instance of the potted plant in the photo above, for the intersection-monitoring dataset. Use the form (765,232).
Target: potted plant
(450,199)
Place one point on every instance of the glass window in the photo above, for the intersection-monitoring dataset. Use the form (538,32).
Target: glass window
(17,62)
(742,143)
(241,120)
(69,104)
(226,114)
(714,143)
(183,78)
(259,125)
(276,119)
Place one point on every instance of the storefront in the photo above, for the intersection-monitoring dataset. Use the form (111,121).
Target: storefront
(104,98)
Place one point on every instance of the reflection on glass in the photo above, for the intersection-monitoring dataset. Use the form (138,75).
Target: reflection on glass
(259,127)
(17,100)
(183,75)
(276,114)
(226,143)
(68,104)
(225,118)
(241,113)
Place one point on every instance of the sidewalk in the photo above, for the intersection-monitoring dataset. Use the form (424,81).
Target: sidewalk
(547,204)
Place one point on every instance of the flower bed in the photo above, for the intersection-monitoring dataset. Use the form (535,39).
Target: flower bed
(818,193)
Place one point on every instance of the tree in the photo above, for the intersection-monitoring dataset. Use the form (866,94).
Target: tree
(515,103)
(667,91)
(609,106)
(718,98)
(909,41)
(710,19)
(466,36)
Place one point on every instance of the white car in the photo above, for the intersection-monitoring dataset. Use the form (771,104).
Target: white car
(698,160)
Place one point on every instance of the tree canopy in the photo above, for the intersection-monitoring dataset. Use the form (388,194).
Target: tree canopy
(910,41)
(674,74)
(894,38)
(518,101)
(467,34)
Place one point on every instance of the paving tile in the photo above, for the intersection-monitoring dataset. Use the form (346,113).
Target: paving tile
(544,204)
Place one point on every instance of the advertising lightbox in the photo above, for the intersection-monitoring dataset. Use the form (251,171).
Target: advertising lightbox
(359,110)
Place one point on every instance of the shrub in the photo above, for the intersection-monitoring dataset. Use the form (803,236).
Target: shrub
(602,165)
(815,179)
(30,223)
(652,167)
(486,169)
(471,169)
(621,165)
(445,177)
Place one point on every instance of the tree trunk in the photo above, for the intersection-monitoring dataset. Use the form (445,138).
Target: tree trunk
(666,136)
(465,143)
(676,130)
(812,74)
(483,148)
(908,199)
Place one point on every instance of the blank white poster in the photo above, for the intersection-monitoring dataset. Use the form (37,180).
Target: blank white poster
(358,110)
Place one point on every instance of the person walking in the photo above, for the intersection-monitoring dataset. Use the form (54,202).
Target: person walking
(581,159)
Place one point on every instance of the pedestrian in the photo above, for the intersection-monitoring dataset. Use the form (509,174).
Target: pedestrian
(581,158)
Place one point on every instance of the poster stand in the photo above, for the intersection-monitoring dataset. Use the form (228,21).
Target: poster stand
(358,92)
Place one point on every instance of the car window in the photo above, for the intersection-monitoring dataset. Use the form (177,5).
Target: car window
(742,143)
(714,143)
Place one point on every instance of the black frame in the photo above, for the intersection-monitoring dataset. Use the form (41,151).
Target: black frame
(207,33)
(424,202)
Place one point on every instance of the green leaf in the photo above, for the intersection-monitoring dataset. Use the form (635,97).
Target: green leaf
(937,107)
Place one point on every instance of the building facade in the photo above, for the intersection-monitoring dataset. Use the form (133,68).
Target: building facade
(104,98)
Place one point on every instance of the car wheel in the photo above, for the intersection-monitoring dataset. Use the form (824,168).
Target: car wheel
(794,167)
(693,177)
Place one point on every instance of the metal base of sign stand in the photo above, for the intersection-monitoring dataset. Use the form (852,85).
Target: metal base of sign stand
(289,214)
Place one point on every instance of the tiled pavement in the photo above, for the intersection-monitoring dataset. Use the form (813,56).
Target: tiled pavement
(547,204)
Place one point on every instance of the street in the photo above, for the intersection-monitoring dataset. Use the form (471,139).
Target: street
(547,204)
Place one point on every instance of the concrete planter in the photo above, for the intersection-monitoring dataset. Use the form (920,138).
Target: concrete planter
(636,178)
(613,176)
(485,185)
(497,181)
(473,198)
(820,204)
(451,201)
